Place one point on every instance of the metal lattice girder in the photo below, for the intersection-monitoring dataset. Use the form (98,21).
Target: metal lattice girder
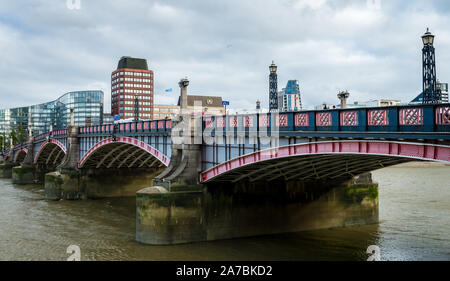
(130,156)
(337,159)
(146,160)
(313,168)
(50,155)
(118,156)
(136,159)
(110,153)
(120,152)
(297,163)
(371,167)
(58,157)
(55,148)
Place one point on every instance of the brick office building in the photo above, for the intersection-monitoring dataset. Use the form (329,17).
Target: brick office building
(132,79)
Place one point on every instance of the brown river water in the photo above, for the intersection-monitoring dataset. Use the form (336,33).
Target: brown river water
(414,225)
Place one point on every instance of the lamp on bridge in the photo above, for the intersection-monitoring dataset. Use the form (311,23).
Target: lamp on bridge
(428,38)
(430,92)
(343,96)
(72,117)
(273,88)
(184,82)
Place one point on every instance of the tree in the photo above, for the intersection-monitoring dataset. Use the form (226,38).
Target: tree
(13,136)
(20,133)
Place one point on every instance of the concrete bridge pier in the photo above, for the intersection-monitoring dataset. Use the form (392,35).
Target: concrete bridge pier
(185,162)
(7,166)
(6,170)
(64,183)
(25,173)
(180,210)
(232,210)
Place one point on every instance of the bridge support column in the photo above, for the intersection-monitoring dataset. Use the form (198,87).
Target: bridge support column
(232,210)
(186,158)
(25,173)
(64,183)
(6,170)
(6,167)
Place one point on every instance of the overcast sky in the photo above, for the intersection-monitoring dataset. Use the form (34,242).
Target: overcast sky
(370,48)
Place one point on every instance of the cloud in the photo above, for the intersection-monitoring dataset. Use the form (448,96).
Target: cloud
(312,4)
(224,47)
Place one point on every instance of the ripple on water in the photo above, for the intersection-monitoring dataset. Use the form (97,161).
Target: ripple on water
(414,225)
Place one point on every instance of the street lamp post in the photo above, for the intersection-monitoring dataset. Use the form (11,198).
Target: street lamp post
(343,96)
(273,88)
(430,91)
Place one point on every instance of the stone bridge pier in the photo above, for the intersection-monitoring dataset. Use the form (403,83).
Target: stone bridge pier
(25,173)
(225,210)
(179,208)
(8,164)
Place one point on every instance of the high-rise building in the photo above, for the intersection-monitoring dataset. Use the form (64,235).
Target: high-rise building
(132,79)
(289,98)
(443,87)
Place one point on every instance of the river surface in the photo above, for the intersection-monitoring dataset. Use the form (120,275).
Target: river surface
(414,215)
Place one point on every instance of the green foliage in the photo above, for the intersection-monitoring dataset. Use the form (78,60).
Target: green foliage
(357,193)
(373,192)
(20,133)
(13,136)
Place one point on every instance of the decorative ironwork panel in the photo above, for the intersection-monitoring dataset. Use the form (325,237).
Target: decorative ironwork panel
(153,125)
(349,118)
(378,118)
(234,122)
(301,120)
(443,116)
(168,124)
(411,116)
(160,124)
(209,123)
(323,119)
(264,121)
(220,122)
(282,120)
(248,122)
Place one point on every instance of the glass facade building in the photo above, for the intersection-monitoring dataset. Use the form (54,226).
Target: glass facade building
(289,97)
(87,106)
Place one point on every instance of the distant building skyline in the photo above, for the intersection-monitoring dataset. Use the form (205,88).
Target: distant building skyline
(87,106)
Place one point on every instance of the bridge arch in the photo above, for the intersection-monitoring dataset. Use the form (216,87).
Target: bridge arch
(332,160)
(20,155)
(123,152)
(50,154)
